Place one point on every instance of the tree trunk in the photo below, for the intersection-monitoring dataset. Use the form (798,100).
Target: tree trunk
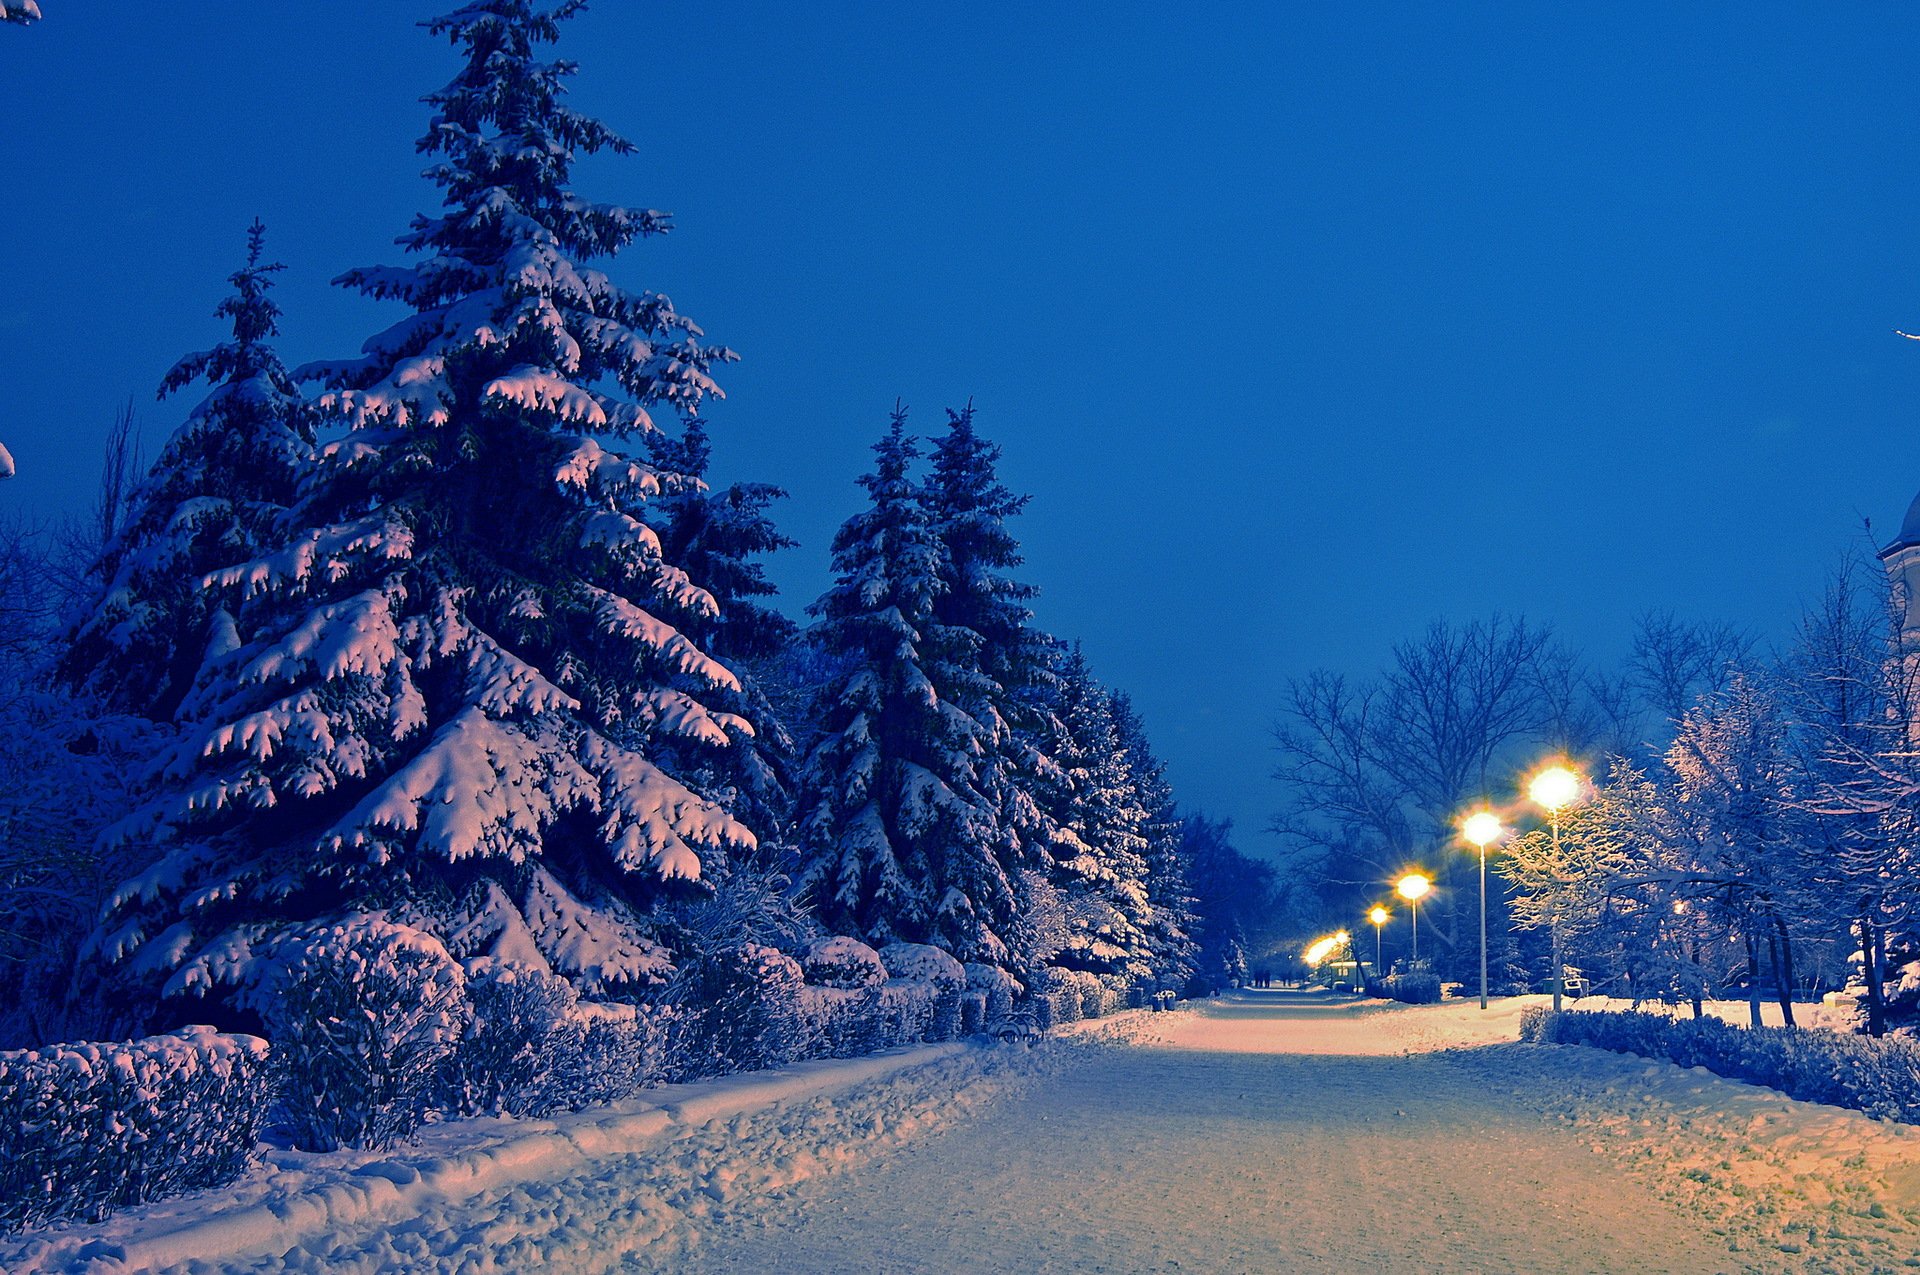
(1753,980)
(1780,947)
(1693,954)
(1876,989)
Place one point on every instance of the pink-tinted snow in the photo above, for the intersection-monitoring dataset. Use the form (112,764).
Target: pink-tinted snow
(1265,1131)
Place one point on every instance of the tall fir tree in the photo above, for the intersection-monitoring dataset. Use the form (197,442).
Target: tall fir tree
(427,700)
(1170,918)
(899,842)
(1002,666)
(1098,855)
(217,494)
(720,538)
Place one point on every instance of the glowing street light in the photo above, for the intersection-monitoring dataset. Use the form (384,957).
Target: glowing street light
(1553,790)
(1379,916)
(1482,828)
(1413,887)
(1321,948)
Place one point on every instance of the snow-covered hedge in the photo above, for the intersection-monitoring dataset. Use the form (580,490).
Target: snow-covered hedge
(87,1128)
(1417,988)
(363,1015)
(1880,1077)
(1067,996)
(849,1022)
(534,1048)
(843,962)
(997,986)
(744,1010)
(923,961)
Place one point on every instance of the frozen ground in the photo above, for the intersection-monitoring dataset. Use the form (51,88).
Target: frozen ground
(1267,1131)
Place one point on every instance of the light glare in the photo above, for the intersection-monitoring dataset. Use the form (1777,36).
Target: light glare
(1413,885)
(1482,828)
(1554,788)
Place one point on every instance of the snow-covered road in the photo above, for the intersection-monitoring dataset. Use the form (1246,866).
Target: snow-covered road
(1265,1131)
(1270,1132)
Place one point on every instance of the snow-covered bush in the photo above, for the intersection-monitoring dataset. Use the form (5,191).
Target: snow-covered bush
(1415,987)
(854,1021)
(842,1020)
(87,1128)
(998,986)
(745,1010)
(1878,1076)
(605,1052)
(923,961)
(843,962)
(362,1014)
(507,1056)
(973,1012)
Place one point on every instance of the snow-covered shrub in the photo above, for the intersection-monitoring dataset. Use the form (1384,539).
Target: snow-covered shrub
(923,961)
(87,1128)
(842,962)
(1878,1076)
(973,1012)
(1416,987)
(945,1024)
(903,1012)
(850,1022)
(362,1014)
(998,986)
(744,1010)
(605,1052)
(840,1019)
(506,1059)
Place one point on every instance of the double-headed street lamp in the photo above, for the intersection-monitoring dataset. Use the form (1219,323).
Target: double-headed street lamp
(1413,887)
(1482,828)
(1553,790)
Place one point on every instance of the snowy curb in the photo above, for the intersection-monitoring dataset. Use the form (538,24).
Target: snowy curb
(395,1186)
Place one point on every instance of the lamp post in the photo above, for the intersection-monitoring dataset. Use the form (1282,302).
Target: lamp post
(1554,789)
(1412,887)
(1379,916)
(1481,828)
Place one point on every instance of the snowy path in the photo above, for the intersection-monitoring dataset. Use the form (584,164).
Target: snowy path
(1284,1134)
(1268,1131)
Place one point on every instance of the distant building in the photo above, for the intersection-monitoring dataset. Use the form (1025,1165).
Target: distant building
(1902,560)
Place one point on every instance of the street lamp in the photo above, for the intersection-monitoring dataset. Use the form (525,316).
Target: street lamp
(1554,789)
(1482,828)
(1412,887)
(1379,916)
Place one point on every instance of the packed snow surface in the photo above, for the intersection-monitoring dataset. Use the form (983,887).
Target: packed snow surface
(1264,1131)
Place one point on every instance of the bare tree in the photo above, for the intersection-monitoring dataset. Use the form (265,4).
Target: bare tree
(1855,695)
(1376,773)
(1677,662)
(119,472)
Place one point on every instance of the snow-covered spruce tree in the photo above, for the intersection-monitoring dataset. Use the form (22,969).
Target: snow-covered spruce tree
(425,703)
(22,12)
(1099,849)
(1002,667)
(1171,920)
(216,495)
(898,841)
(718,538)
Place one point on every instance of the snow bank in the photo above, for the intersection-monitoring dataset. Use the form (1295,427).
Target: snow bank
(1785,1185)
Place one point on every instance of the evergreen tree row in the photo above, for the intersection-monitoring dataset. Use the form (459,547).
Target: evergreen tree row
(455,639)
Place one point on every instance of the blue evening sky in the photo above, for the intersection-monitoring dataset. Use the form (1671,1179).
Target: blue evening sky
(1303,324)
